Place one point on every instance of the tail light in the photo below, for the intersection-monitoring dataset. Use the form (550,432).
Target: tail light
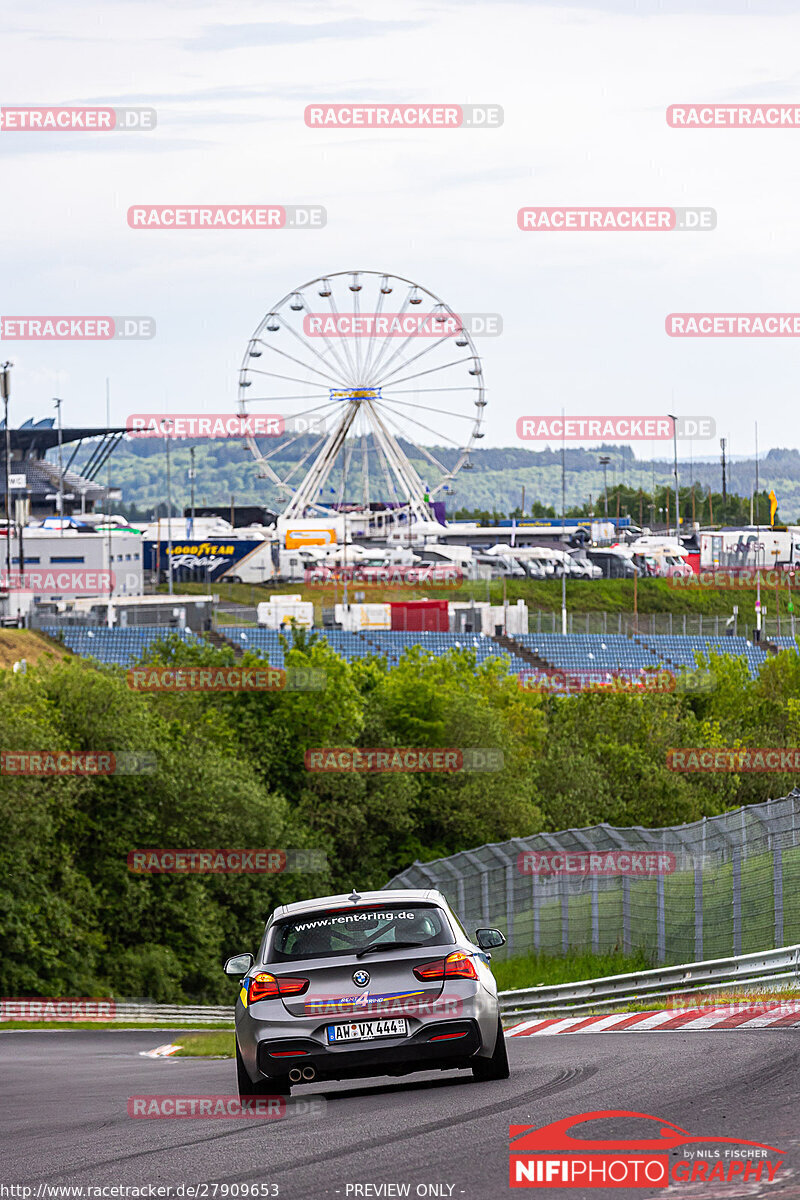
(456,966)
(269,987)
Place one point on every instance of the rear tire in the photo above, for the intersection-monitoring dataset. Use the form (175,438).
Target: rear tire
(279,1086)
(495,1067)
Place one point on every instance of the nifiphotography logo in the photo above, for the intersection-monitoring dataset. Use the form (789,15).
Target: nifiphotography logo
(659,1156)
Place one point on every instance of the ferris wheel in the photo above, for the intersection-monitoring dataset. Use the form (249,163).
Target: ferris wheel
(380,390)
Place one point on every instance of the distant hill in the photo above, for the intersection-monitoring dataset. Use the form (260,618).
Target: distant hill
(226,469)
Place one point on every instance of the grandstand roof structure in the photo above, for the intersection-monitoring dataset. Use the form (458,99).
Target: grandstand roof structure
(29,445)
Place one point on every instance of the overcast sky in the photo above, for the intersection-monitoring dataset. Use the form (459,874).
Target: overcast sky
(584,88)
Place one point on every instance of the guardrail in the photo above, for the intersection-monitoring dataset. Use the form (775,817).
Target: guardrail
(125,1012)
(771,967)
(179,1014)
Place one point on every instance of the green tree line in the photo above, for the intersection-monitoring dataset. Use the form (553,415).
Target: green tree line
(230,773)
(655,509)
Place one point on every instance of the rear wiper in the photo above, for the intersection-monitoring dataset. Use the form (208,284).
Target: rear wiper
(385,946)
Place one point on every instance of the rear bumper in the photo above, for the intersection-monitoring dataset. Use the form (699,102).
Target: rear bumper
(446,1045)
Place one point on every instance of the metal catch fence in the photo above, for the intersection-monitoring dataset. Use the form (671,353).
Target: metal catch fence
(722,886)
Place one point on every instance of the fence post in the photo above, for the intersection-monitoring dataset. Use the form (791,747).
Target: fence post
(595,915)
(777,889)
(509,903)
(737,901)
(537,939)
(456,876)
(462,898)
(510,908)
(698,912)
(564,915)
(626,914)
(661,931)
(485,895)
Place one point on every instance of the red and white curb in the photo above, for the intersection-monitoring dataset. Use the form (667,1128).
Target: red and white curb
(784,1014)
(160,1051)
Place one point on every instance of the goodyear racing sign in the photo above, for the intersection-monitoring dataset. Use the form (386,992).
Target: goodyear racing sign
(212,559)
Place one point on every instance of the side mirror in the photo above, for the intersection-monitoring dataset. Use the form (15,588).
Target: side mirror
(240,964)
(489,939)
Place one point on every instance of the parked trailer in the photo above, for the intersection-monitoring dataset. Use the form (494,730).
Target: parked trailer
(749,548)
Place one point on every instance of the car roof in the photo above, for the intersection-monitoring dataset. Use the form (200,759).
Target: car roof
(387,896)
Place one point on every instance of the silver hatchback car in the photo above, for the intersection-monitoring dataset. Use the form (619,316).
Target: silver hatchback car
(379,983)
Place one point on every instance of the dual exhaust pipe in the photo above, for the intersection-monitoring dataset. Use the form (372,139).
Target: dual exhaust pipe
(296,1075)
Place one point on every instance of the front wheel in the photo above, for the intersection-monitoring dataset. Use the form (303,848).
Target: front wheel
(264,1087)
(495,1067)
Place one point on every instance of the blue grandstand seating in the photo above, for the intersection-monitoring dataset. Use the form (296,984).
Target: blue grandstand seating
(389,643)
(595,653)
(617,652)
(118,645)
(256,640)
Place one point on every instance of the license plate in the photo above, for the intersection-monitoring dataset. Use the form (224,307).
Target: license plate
(366,1031)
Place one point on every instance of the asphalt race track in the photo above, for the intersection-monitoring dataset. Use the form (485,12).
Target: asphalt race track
(63,1109)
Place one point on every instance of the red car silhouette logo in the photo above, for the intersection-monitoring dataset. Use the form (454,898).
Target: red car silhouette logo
(555,1136)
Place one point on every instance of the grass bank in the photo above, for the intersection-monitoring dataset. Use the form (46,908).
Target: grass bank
(534,970)
(583,595)
(205,1045)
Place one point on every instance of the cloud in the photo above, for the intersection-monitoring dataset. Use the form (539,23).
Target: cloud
(345,91)
(237,37)
(667,8)
(76,144)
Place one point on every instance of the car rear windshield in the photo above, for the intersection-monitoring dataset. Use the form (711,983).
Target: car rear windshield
(337,932)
